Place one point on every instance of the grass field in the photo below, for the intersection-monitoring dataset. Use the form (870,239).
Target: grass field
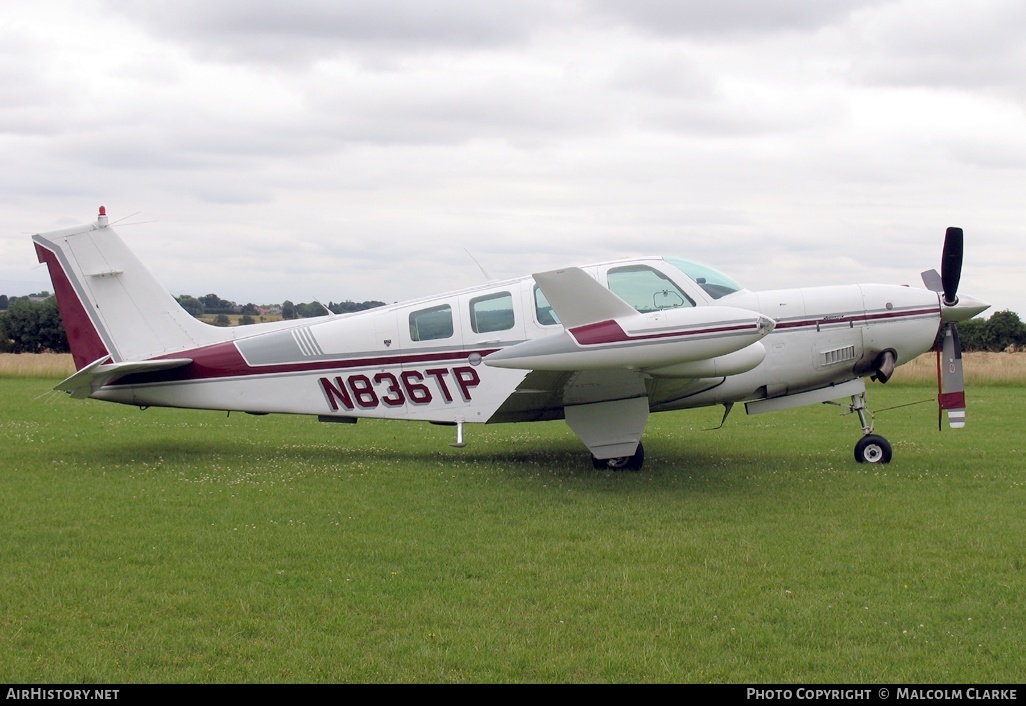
(177,546)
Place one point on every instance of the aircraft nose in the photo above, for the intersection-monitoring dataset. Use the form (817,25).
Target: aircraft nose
(964,309)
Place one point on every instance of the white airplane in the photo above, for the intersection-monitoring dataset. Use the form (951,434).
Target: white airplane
(601,346)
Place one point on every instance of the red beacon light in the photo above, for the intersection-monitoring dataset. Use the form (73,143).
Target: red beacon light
(101,219)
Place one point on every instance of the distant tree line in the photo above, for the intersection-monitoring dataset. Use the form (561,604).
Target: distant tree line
(32,324)
(308,310)
(211,304)
(1002,331)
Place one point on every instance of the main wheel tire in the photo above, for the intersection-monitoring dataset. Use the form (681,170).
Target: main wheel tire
(621,463)
(873,448)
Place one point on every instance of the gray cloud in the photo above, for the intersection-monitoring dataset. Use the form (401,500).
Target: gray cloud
(727,17)
(284,32)
(922,44)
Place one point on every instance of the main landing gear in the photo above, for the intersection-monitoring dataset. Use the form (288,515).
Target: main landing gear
(871,448)
(621,463)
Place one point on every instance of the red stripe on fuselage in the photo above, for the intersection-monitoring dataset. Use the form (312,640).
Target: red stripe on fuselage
(223,360)
(855,318)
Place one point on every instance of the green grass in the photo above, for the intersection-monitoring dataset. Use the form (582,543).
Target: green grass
(177,546)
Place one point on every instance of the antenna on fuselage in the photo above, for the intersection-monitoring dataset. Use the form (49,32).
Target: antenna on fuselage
(329,312)
(488,275)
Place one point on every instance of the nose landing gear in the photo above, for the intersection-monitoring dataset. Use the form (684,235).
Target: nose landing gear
(871,448)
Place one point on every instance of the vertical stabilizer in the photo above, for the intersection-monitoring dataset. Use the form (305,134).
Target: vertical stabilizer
(110,303)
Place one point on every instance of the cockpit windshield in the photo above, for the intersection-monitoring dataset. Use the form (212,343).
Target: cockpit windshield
(715,283)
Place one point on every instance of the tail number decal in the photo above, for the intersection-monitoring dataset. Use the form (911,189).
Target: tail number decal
(409,387)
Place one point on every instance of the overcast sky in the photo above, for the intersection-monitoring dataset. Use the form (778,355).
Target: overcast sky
(358,150)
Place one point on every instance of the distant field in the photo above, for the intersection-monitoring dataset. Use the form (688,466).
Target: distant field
(41,365)
(980,369)
(177,546)
(236,319)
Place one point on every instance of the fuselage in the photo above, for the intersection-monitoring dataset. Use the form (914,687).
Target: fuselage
(428,359)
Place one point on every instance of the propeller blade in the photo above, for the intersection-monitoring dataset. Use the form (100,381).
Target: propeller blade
(950,379)
(932,280)
(951,265)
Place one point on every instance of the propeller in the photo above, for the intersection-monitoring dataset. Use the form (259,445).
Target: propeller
(950,378)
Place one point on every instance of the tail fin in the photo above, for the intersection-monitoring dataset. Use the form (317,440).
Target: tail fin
(112,307)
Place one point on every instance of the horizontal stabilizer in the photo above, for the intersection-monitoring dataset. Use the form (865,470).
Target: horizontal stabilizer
(98,373)
(578,299)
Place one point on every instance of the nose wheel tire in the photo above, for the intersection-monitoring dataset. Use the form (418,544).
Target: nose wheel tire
(873,448)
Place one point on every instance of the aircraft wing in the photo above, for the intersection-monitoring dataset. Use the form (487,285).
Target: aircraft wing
(597,371)
(602,332)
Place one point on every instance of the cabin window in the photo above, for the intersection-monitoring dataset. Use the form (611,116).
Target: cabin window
(492,313)
(646,289)
(543,310)
(431,324)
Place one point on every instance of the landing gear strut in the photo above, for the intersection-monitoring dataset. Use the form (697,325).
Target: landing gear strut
(621,463)
(871,448)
